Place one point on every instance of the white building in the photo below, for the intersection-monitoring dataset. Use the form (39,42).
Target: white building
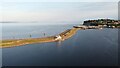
(58,37)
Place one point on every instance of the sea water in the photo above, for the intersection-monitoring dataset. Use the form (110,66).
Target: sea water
(91,47)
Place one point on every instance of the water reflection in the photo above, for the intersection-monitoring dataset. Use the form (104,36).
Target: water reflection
(59,43)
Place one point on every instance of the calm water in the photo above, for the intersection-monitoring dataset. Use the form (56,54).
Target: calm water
(85,48)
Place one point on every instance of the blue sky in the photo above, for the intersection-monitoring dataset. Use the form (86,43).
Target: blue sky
(54,11)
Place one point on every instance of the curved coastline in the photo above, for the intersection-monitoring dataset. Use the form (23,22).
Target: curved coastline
(20,42)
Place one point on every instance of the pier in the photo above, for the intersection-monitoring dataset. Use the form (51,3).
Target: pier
(20,42)
(60,37)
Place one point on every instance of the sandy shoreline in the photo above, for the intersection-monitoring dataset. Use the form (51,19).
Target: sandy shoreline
(20,42)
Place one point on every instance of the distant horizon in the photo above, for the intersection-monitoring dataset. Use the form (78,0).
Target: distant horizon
(51,22)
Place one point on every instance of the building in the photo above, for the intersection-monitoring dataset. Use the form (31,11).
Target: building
(58,37)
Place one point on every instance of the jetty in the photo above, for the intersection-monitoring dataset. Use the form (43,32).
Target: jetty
(89,24)
(20,42)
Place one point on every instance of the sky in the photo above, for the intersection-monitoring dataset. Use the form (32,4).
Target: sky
(57,10)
